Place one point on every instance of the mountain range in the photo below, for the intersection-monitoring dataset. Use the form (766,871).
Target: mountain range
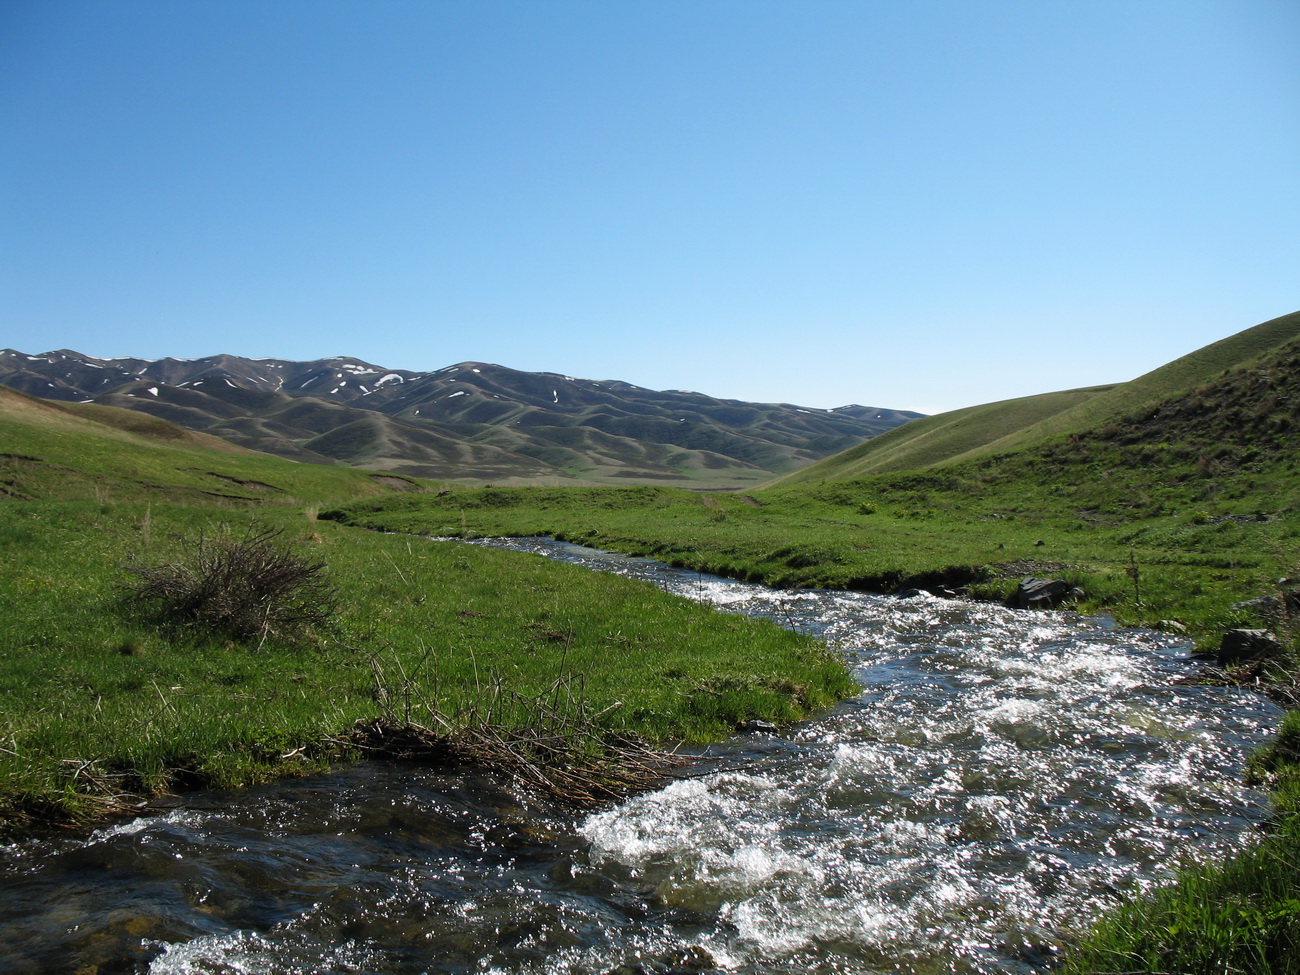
(470,421)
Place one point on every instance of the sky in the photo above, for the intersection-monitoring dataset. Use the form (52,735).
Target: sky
(913,204)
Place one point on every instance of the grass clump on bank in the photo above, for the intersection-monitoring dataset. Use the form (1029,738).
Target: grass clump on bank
(1242,915)
(246,586)
(552,742)
(1239,916)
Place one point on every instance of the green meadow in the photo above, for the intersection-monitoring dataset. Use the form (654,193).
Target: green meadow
(105,704)
(1183,552)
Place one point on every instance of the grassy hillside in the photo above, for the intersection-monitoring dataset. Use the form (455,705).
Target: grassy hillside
(936,439)
(1174,379)
(1007,426)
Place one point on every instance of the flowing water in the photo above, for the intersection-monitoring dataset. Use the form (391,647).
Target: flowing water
(1001,778)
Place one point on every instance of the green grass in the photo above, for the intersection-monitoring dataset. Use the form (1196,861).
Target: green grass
(100,701)
(1238,916)
(100,698)
(1198,546)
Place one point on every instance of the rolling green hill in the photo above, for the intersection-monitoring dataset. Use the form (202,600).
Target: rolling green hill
(1003,427)
(936,439)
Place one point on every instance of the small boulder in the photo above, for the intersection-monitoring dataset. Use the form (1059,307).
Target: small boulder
(1244,646)
(1044,594)
(1269,607)
(1275,608)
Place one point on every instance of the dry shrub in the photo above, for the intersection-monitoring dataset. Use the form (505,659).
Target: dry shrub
(245,586)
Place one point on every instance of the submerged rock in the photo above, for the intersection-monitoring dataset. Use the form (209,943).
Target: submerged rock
(1244,646)
(1044,594)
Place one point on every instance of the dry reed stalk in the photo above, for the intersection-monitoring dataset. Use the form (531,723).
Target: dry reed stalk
(549,743)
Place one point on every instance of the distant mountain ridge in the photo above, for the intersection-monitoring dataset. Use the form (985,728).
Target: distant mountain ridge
(469,421)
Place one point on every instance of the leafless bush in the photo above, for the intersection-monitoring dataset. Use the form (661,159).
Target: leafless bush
(245,586)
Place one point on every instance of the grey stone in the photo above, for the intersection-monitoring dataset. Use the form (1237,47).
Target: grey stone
(1242,646)
(1044,593)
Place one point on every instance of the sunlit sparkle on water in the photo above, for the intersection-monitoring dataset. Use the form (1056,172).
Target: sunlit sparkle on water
(1001,777)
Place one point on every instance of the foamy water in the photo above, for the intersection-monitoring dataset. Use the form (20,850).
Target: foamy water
(1002,777)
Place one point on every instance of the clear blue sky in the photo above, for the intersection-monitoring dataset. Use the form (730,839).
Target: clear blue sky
(919,205)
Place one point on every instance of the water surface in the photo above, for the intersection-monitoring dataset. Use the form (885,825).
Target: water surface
(1002,777)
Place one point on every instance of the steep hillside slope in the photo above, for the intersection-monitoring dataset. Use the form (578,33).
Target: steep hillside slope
(935,439)
(1246,419)
(1169,380)
(472,421)
(1010,425)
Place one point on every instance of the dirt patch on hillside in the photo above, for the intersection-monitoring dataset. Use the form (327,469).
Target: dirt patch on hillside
(652,474)
(394,483)
(246,485)
(1030,567)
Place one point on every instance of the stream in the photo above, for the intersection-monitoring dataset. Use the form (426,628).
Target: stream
(1002,778)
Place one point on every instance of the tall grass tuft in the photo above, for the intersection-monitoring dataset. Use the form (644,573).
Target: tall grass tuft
(1241,916)
(244,586)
